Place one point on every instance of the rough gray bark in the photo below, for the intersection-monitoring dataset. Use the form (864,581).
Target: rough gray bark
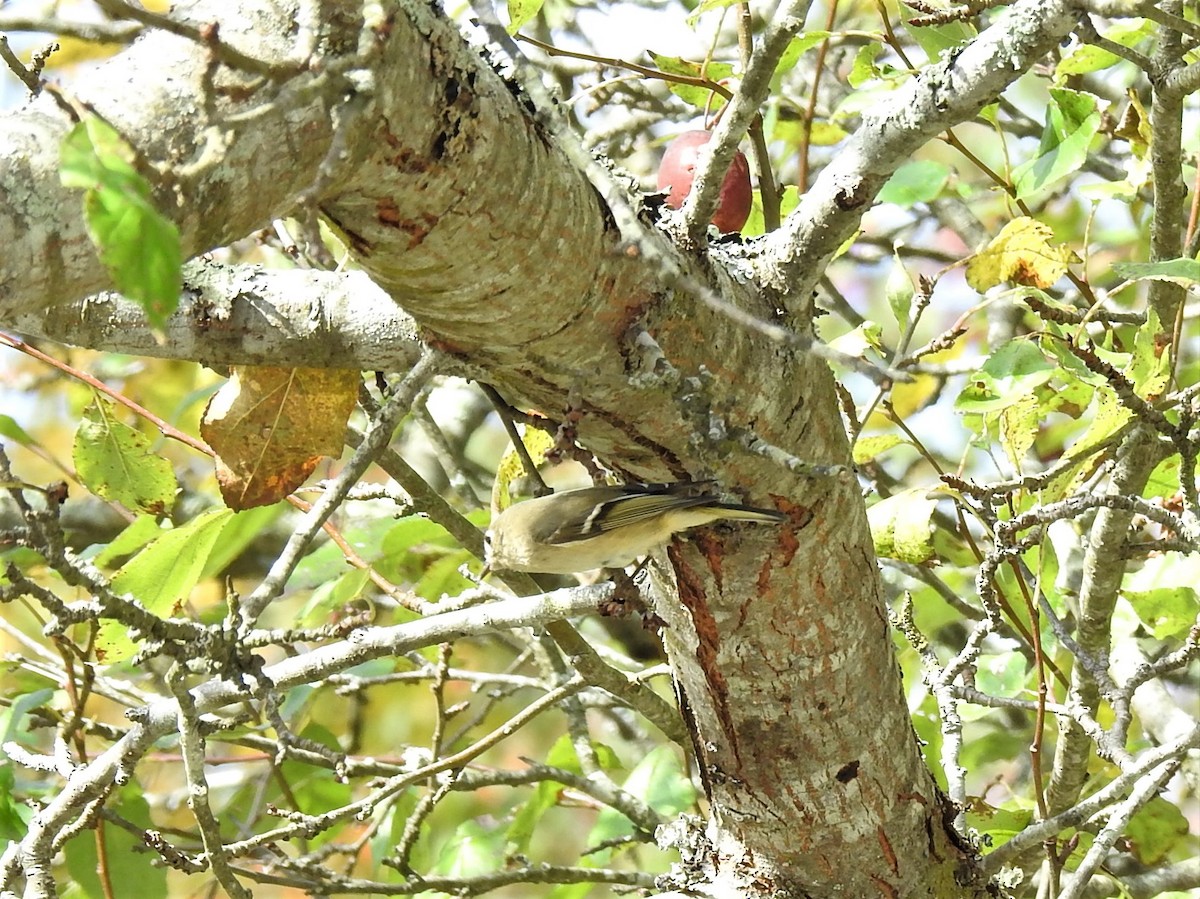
(246,315)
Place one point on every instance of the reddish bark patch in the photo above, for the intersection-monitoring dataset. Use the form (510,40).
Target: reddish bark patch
(708,645)
(713,551)
(409,162)
(885,888)
(763,581)
(388,213)
(799,517)
(885,846)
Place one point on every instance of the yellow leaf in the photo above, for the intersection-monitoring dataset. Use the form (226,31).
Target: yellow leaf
(910,397)
(270,427)
(1021,254)
(511,467)
(867,448)
(1134,126)
(1019,425)
(826,134)
(900,526)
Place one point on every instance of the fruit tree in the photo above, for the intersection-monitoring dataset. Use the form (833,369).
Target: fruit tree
(287,289)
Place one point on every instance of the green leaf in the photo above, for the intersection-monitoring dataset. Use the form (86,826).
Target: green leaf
(997,675)
(1150,367)
(93,154)
(1073,368)
(136,534)
(700,97)
(900,526)
(417,551)
(14,432)
(389,835)
(520,12)
(867,336)
(869,448)
(441,576)
(116,462)
(1167,612)
(935,40)
(1108,416)
(709,6)
(864,68)
(1156,830)
(789,199)
(562,755)
(13,723)
(915,182)
(471,852)
(12,812)
(525,821)
(1019,423)
(797,48)
(162,576)
(998,825)
(164,573)
(128,865)
(899,291)
(137,244)
(1182,271)
(1163,594)
(925,723)
(596,859)
(1072,120)
(660,781)
(313,790)
(327,562)
(1090,58)
(1164,480)
(333,595)
(1013,371)
(826,134)
(241,530)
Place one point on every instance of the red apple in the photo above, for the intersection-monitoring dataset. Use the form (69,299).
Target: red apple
(678,167)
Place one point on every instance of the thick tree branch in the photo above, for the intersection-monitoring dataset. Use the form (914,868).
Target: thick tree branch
(1103,568)
(940,96)
(1170,193)
(246,315)
(226,152)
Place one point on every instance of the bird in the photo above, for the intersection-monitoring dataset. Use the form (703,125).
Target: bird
(605,526)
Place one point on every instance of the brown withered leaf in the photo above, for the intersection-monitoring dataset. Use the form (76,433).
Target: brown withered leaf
(270,427)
